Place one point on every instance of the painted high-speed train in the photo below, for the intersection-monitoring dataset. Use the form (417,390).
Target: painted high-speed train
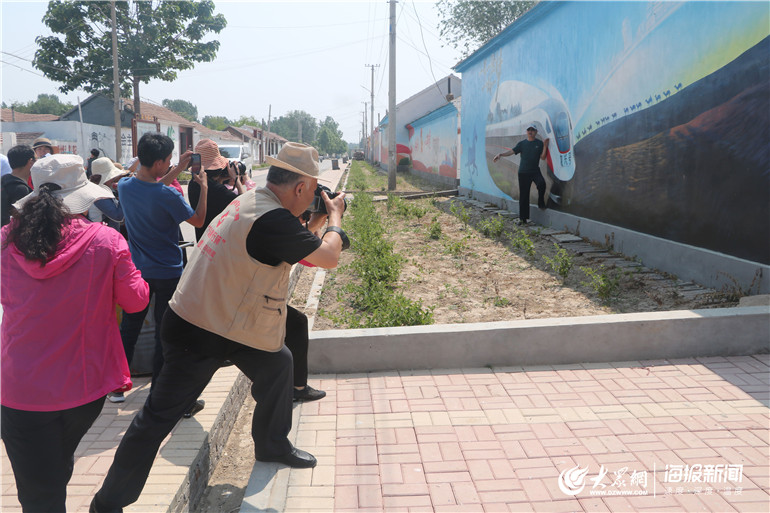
(516,106)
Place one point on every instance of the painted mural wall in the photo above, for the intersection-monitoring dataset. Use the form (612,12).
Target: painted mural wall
(657,115)
(433,142)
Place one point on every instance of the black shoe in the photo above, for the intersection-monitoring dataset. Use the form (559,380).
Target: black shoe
(297,458)
(308,393)
(195,408)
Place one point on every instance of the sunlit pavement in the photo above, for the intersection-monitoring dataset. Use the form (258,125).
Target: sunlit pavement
(680,435)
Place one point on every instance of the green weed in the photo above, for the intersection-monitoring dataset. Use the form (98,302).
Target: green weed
(463,214)
(434,230)
(606,284)
(492,227)
(561,263)
(522,242)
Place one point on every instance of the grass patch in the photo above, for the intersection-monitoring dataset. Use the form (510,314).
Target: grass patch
(373,295)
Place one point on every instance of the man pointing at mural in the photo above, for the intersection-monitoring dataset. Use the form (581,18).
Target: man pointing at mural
(532,150)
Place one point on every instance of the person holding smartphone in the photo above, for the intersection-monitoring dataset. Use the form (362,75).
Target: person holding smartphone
(217,170)
(153,212)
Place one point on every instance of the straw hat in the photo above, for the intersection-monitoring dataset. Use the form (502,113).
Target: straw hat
(66,171)
(41,142)
(297,158)
(210,156)
(104,167)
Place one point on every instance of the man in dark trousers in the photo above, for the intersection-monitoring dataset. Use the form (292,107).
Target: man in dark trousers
(231,305)
(153,213)
(532,150)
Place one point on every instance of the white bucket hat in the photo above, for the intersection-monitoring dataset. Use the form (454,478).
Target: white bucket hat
(104,167)
(67,172)
(297,158)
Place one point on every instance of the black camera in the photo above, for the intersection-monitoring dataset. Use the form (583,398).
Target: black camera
(318,204)
(239,166)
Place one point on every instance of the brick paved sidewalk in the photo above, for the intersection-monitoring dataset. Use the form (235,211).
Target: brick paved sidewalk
(497,439)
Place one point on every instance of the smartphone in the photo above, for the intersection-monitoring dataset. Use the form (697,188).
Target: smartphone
(195,163)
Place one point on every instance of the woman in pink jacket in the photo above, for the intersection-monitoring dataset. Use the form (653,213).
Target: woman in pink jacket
(62,277)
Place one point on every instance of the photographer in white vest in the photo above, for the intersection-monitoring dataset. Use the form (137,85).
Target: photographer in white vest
(231,304)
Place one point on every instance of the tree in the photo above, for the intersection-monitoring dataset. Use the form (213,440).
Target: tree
(216,122)
(45,104)
(247,120)
(182,107)
(330,137)
(288,126)
(155,40)
(468,24)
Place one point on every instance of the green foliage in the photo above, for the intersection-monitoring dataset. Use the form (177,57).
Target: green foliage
(155,40)
(434,230)
(561,263)
(330,140)
(605,283)
(377,267)
(250,121)
(501,301)
(520,240)
(457,248)
(468,24)
(463,214)
(357,178)
(287,126)
(404,161)
(182,107)
(45,104)
(216,122)
(403,208)
(492,227)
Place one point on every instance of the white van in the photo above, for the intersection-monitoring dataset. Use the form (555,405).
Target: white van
(237,152)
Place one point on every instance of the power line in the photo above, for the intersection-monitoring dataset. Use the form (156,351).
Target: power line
(430,61)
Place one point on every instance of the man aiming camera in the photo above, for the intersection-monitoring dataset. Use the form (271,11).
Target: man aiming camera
(231,305)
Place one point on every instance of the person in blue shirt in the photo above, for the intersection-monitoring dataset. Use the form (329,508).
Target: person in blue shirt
(152,212)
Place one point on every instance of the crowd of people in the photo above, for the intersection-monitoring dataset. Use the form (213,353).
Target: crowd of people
(78,243)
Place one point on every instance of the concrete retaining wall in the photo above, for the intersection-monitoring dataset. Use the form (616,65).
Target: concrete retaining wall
(601,338)
(703,266)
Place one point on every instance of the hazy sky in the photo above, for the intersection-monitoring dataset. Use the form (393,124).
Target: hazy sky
(309,56)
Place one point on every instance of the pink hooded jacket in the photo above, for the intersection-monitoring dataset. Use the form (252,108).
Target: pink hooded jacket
(61,347)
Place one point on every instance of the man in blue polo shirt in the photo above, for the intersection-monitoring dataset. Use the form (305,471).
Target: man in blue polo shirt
(153,212)
(532,151)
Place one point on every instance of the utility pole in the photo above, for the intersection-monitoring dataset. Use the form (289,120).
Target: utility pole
(266,152)
(371,106)
(366,145)
(299,131)
(116,84)
(363,130)
(392,101)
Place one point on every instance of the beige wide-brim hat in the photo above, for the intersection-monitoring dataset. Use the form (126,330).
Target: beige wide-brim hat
(106,169)
(210,156)
(41,142)
(66,171)
(297,158)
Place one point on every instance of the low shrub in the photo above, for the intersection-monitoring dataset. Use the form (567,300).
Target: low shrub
(561,263)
